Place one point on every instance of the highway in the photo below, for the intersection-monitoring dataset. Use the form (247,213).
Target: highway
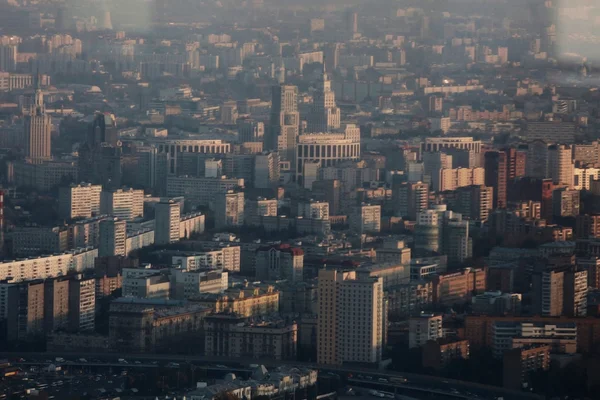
(370,378)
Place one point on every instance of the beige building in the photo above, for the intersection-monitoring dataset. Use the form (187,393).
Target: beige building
(228,335)
(247,301)
(457,287)
(167,222)
(79,201)
(560,165)
(113,238)
(137,327)
(351,318)
(454,178)
(124,203)
(30,241)
(38,131)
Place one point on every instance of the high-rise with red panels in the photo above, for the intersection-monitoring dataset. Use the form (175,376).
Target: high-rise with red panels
(515,168)
(1,222)
(496,176)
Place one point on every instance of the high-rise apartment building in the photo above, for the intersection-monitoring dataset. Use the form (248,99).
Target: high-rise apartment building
(79,201)
(229,209)
(125,203)
(167,222)
(349,330)
(329,190)
(548,293)
(496,176)
(565,202)
(56,304)
(313,209)
(366,218)
(560,164)
(475,201)
(113,238)
(8,57)
(324,115)
(266,170)
(38,129)
(457,244)
(410,199)
(284,123)
(82,304)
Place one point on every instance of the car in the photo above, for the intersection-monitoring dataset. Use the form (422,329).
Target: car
(154,362)
(221,366)
(138,362)
(123,361)
(370,378)
(398,379)
(360,377)
(83,360)
(382,380)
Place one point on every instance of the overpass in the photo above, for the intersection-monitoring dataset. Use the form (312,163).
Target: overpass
(378,378)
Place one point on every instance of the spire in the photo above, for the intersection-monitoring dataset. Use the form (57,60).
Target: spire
(39,95)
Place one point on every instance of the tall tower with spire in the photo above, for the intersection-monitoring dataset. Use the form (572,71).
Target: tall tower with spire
(38,129)
(324,116)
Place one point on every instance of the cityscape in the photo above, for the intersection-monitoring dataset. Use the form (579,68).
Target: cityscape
(299,199)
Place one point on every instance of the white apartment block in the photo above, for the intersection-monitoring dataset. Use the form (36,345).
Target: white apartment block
(583,177)
(113,237)
(199,191)
(424,328)
(350,319)
(556,335)
(79,201)
(229,209)
(124,204)
(167,222)
(186,284)
(227,258)
(48,267)
(366,219)
(139,239)
(313,210)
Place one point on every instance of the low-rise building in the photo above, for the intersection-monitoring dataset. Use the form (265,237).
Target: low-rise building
(438,354)
(228,335)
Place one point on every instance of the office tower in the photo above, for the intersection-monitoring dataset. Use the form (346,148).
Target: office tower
(113,238)
(351,21)
(126,203)
(496,175)
(229,209)
(515,163)
(536,159)
(560,164)
(565,202)
(313,209)
(274,263)
(366,218)
(38,129)
(167,222)
(250,130)
(79,201)
(284,122)
(82,304)
(324,115)
(266,170)
(434,163)
(56,304)
(104,130)
(548,293)
(349,331)
(8,57)
(457,244)
(424,328)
